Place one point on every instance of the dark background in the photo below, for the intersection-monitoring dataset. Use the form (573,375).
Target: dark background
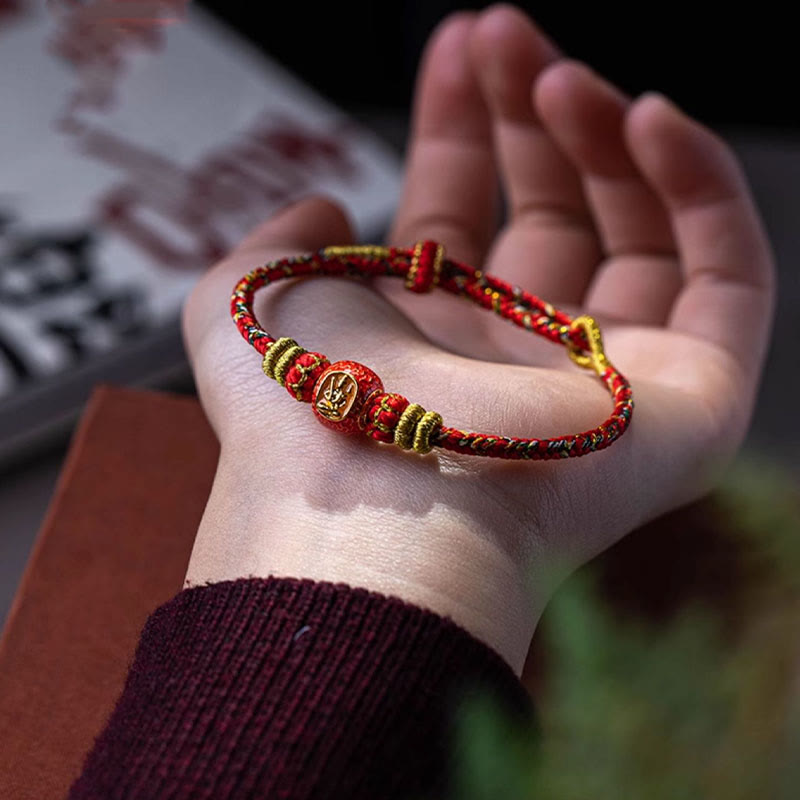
(724,68)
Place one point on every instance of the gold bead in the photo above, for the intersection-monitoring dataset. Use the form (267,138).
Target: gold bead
(285,361)
(277,348)
(430,422)
(406,426)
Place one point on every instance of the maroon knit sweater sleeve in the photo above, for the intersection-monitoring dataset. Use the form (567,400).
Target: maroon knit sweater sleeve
(284,688)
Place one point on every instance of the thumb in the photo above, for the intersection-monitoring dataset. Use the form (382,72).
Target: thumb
(302,227)
(308,224)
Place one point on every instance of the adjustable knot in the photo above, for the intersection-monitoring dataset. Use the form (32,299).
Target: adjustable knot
(425,267)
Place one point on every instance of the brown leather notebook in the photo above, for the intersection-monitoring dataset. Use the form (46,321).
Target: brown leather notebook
(114,546)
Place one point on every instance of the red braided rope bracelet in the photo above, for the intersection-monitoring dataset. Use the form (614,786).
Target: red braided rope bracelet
(349,397)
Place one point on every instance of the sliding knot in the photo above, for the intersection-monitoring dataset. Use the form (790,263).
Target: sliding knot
(426,267)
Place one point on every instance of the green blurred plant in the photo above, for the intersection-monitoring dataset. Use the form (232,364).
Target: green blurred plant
(676,711)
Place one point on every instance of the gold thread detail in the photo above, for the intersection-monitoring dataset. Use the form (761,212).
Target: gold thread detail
(414,268)
(285,361)
(406,425)
(438,260)
(274,352)
(363,250)
(305,370)
(596,358)
(382,406)
(430,422)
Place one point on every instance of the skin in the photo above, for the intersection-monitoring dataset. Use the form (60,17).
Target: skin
(625,209)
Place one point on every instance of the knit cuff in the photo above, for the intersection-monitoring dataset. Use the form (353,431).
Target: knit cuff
(280,687)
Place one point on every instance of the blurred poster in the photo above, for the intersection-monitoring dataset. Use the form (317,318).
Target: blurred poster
(133,156)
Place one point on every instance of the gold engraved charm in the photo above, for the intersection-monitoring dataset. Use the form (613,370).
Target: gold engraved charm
(336,396)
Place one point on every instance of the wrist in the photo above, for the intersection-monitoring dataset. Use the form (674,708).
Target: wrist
(405,543)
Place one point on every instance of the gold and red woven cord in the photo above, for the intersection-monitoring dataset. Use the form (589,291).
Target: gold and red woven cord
(349,397)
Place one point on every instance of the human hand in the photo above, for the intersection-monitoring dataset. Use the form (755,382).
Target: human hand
(629,211)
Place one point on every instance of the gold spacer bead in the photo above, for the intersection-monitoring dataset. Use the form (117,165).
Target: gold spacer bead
(273,354)
(285,361)
(406,425)
(431,421)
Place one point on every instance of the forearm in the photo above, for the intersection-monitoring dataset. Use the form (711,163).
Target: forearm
(375,524)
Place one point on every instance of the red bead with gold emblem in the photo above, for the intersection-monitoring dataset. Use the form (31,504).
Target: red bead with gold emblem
(340,394)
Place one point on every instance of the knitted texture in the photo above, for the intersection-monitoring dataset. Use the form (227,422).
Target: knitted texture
(286,688)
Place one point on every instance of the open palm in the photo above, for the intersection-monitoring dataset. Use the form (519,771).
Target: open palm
(628,211)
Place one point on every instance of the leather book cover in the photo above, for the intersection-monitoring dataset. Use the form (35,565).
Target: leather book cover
(113,547)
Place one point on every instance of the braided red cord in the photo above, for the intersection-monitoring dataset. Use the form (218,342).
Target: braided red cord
(422,272)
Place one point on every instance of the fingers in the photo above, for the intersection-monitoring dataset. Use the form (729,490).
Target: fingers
(640,277)
(450,186)
(727,261)
(302,227)
(549,245)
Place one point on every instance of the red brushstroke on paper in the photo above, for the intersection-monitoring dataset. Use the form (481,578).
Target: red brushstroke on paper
(182,217)
(189,217)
